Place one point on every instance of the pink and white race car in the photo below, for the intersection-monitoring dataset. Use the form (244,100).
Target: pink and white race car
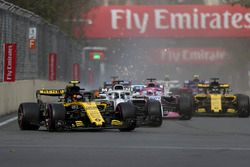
(173,106)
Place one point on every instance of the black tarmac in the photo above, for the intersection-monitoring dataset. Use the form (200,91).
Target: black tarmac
(200,142)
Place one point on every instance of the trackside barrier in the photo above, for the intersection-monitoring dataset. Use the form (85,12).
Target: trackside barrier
(14,93)
(35,40)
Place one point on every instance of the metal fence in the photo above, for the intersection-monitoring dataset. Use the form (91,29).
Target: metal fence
(15,23)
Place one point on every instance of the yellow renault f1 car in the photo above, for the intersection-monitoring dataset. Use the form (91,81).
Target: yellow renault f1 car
(74,110)
(216,100)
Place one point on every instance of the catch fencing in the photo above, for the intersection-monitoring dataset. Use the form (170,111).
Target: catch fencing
(35,40)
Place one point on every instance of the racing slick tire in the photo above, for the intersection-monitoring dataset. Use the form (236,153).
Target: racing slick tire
(243,105)
(186,106)
(56,116)
(127,116)
(154,113)
(29,116)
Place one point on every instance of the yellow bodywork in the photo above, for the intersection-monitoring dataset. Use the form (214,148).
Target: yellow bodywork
(201,110)
(232,97)
(116,123)
(200,96)
(79,123)
(231,110)
(203,85)
(224,85)
(216,104)
(74,82)
(91,110)
(218,101)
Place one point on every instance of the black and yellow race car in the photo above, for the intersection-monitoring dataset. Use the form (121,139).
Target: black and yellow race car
(216,99)
(75,109)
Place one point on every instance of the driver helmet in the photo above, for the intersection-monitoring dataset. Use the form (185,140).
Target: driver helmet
(196,78)
(150,93)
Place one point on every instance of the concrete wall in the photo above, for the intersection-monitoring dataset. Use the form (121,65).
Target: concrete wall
(12,94)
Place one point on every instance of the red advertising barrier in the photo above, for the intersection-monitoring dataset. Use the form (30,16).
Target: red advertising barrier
(9,67)
(167,21)
(76,72)
(190,56)
(52,66)
(90,75)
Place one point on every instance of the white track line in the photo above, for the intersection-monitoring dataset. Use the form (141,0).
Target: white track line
(195,148)
(8,121)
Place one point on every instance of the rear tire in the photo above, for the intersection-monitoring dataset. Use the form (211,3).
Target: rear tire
(243,105)
(186,106)
(127,116)
(29,116)
(154,113)
(56,113)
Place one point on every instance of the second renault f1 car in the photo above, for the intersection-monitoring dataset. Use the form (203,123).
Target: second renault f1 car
(217,100)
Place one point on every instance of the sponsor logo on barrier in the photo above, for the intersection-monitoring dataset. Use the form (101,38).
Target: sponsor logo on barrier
(52,66)
(168,21)
(190,56)
(9,70)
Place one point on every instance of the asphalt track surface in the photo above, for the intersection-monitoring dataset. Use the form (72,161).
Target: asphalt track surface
(200,142)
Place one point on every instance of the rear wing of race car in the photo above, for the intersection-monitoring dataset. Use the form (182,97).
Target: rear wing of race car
(224,85)
(203,85)
(151,79)
(50,92)
(107,84)
(121,82)
(207,85)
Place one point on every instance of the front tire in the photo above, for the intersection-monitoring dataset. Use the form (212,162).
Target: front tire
(29,116)
(56,113)
(243,105)
(186,106)
(154,113)
(127,116)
